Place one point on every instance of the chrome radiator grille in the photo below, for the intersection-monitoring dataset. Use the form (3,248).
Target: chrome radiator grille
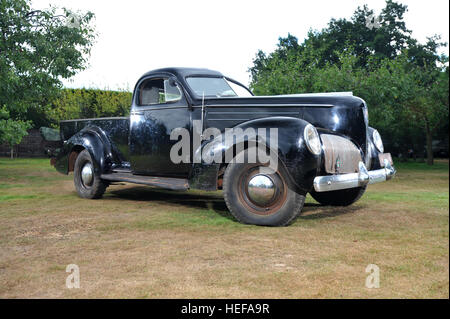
(341,155)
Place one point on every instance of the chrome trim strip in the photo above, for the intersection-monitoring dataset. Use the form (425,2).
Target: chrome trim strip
(96,119)
(352,180)
(272,113)
(157,107)
(266,105)
(236,119)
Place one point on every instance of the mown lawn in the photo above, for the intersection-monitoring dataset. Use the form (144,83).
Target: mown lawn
(139,242)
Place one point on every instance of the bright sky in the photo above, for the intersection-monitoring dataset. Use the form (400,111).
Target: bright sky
(137,36)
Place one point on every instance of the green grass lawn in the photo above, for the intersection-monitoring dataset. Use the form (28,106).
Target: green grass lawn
(141,242)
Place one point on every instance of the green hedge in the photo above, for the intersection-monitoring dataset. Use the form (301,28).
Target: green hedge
(87,103)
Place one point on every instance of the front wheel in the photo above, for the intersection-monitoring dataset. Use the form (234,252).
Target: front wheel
(260,198)
(343,197)
(87,183)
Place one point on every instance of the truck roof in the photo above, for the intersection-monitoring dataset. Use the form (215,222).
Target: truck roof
(332,98)
(184,72)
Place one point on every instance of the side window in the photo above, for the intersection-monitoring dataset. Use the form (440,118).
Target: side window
(158,91)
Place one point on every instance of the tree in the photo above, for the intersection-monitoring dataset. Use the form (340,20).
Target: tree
(322,47)
(427,102)
(12,131)
(404,82)
(38,48)
(411,97)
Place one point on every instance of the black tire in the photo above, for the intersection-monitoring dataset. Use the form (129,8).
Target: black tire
(94,189)
(283,209)
(343,197)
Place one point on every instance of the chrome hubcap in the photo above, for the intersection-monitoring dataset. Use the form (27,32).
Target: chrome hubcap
(87,174)
(261,190)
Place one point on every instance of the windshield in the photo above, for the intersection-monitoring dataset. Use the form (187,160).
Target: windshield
(215,87)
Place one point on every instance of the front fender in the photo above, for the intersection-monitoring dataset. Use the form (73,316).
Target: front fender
(300,164)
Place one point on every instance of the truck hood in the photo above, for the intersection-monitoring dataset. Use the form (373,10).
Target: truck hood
(340,113)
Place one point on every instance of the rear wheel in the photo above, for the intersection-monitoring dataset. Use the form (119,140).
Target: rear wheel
(343,197)
(87,183)
(257,197)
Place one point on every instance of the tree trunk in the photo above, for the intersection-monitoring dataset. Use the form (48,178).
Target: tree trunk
(429,145)
(12,152)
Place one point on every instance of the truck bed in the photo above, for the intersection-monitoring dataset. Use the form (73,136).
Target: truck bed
(116,128)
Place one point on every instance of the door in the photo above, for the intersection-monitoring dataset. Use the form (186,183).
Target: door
(158,108)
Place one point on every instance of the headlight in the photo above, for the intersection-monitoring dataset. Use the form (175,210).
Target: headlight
(377,141)
(312,139)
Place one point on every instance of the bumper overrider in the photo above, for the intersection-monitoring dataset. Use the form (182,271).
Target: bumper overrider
(352,180)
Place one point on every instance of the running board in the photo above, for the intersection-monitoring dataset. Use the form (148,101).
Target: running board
(163,182)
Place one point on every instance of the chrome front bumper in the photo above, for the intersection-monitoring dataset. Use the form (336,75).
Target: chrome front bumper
(364,177)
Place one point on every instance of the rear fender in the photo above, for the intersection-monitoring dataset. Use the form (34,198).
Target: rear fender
(95,141)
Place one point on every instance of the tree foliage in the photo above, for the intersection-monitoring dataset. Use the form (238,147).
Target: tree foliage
(404,82)
(38,48)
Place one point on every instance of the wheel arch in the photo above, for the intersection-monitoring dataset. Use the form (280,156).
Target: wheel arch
(292,153)
(95,141)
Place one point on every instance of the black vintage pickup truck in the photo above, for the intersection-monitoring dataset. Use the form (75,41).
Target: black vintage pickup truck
(198,129)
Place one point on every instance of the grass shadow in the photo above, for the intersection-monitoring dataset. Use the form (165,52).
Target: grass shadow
(215,202)
(187,199)
(326,211)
